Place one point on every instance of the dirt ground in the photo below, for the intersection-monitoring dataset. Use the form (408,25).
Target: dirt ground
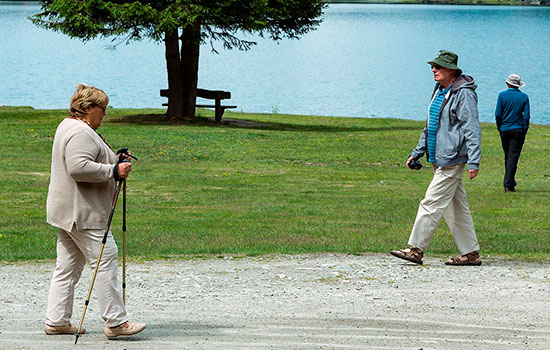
(323,301)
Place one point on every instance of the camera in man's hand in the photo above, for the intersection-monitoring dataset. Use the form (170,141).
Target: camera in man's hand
(414,165)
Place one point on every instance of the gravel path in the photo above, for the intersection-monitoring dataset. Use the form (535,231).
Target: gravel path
(298,302)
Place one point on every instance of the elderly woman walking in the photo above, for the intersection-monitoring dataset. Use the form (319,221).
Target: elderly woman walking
(82,186)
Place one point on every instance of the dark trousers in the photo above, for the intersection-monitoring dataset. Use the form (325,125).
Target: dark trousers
(512,143)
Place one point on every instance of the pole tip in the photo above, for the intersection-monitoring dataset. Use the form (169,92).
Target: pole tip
(76,340)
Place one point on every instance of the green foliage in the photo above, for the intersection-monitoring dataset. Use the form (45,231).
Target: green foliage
(220,19)
(268,183)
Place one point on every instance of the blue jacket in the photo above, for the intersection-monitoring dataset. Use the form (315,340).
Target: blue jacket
(458,139)
(512,112)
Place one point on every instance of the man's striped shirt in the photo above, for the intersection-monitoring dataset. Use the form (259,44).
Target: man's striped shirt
(434,121)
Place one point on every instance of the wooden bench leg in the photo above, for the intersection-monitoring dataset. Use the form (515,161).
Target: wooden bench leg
(219,111)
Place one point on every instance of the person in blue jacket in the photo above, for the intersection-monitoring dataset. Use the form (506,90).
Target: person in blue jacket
(512,118)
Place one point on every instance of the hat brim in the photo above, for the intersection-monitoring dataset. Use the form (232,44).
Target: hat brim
(446,65)
(521,83)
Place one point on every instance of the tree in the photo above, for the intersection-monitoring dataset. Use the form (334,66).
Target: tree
(182,25)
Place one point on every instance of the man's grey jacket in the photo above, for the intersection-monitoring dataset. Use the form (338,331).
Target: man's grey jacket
(458,138)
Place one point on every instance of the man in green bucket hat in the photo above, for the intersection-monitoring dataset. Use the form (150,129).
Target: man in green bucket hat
(447,59)
(451,140)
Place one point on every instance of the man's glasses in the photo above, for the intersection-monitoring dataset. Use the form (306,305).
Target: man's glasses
(436,66)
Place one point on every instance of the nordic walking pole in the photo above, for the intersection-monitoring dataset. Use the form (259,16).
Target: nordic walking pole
(98,259)
(121,152)
(124,242)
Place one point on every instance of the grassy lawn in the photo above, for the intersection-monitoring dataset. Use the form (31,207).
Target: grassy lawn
(270,184)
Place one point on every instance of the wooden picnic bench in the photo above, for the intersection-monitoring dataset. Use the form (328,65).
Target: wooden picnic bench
(216,95)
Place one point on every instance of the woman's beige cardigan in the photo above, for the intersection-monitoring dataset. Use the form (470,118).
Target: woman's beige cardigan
(82,185)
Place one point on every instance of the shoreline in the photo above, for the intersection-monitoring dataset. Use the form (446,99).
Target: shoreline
(232,117)
(532,3)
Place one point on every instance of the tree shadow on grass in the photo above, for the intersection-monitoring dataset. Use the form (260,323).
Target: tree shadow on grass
(161,119)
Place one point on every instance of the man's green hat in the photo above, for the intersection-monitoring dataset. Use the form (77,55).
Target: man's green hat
(447,59)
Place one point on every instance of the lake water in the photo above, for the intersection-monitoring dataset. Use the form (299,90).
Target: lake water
(363,61)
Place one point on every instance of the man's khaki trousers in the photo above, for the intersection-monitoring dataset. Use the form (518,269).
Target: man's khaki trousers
(445,197)
(74,249)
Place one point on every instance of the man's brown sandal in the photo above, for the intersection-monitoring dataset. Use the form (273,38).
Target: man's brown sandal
(411,254)
(472,259)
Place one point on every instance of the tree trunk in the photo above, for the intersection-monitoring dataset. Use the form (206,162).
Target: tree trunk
(190,46)
(182,66)
(175,84)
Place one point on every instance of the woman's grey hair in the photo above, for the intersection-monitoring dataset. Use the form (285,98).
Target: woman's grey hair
(85,97)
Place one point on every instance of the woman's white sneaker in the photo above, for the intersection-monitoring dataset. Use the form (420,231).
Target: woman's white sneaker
(68,329)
